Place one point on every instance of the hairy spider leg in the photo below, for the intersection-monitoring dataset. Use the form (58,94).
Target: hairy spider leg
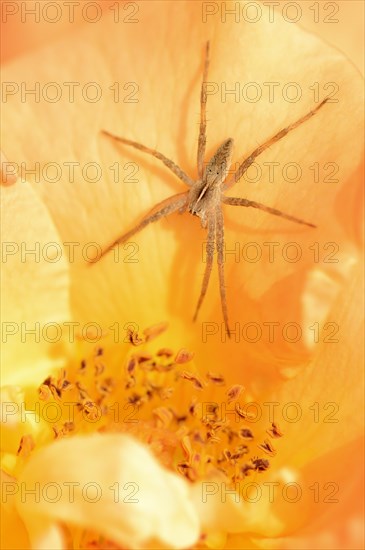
(208,268)
(220,262)
(203,119)
(249,160)
(235,201)
(167,162)
(164,208)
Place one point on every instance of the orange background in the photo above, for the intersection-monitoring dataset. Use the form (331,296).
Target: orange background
(347,34)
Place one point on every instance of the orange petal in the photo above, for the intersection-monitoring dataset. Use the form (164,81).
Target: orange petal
(158,276)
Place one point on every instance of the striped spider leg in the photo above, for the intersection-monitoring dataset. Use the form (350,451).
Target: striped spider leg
(205,195)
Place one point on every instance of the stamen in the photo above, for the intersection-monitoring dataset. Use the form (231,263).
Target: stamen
(171,409)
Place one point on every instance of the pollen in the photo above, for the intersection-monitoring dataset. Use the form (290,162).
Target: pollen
(195,424)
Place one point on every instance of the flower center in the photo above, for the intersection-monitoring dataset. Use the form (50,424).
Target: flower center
(196,426)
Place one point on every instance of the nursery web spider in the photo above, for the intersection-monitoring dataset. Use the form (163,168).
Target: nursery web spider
(206,195)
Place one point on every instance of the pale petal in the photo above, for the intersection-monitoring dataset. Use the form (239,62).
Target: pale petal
(45,534)
(112,485)
(34,288)
(224,510)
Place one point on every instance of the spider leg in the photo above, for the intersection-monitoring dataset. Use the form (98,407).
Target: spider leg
(220,261)
(164,208)
(209,265)
(203,119)
(167,162)
(234,201)
(249,160)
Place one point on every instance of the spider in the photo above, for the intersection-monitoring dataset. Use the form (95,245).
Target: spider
(206,195)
